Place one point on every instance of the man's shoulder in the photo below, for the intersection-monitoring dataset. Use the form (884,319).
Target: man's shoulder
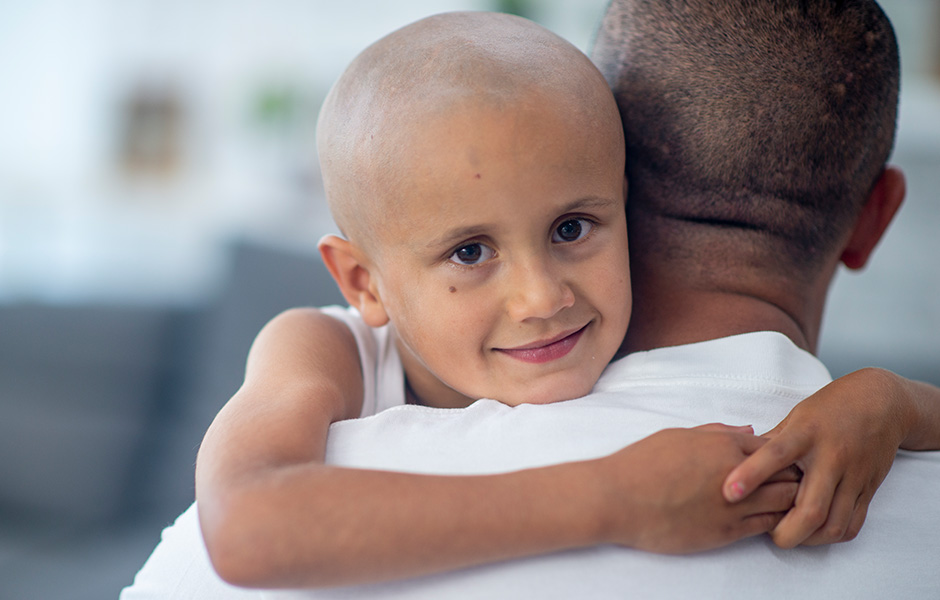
(762,357)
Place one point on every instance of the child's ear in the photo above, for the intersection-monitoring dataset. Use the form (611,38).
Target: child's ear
(349,267)
(883,203)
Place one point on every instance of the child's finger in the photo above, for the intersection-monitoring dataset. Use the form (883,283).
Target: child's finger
(774,456)
(721,427)
(791,473)
(756,525)
(837,522)
(776,430)
(858,518)
(845,518)
(770,498)
(810,512)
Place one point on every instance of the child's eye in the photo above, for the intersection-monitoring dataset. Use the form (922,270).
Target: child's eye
(571,230)
(472,254)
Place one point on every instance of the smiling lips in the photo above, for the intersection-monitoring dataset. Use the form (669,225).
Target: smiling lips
(545,351)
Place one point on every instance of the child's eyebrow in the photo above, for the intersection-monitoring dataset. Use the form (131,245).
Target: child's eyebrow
(456,235)
(589,202)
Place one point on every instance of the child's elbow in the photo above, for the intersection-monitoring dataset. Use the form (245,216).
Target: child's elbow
(236,551)
(247,568)
(246,552)
(232,568)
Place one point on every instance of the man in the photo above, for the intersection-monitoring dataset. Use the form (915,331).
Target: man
(757,136)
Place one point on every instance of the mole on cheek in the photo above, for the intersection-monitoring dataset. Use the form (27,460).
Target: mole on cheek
(477,176)
(452,289)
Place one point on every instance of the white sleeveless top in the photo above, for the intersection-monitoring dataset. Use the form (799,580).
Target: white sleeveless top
(381,365)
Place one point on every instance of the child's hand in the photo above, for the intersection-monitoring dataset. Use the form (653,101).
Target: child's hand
(666,491)
(844,439)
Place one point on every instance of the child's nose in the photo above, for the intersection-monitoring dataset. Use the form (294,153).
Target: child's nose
(537,292)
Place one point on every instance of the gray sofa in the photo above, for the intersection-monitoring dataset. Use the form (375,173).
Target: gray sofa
(101,412)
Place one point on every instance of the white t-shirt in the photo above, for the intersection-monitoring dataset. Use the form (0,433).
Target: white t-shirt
(749,379)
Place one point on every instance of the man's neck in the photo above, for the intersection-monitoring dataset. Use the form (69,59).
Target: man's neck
(690,318)
(671,313)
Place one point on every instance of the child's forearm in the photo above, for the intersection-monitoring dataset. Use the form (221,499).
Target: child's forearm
(915,405)
(315,525)
(924,431)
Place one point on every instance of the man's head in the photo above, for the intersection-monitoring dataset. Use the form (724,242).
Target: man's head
(474,162)
(757,133)
(770,120)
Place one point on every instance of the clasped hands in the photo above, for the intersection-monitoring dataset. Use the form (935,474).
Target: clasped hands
(807,481)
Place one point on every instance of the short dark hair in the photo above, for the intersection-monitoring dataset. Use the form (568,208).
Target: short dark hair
(769,116)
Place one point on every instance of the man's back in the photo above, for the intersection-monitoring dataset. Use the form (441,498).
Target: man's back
(755,379)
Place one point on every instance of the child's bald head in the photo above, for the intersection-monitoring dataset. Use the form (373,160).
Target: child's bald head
(411,80)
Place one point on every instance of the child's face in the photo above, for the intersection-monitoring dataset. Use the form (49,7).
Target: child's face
(503,262)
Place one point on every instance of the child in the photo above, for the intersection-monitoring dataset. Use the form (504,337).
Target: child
(474,163)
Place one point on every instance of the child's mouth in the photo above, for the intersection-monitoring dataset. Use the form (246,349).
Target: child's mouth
(547,350)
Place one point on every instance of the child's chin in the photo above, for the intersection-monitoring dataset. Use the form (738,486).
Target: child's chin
(552,395)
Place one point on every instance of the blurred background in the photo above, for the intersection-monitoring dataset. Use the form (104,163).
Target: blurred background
(160,201)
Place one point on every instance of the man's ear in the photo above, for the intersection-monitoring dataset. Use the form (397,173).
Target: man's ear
(349,267)
(883,203)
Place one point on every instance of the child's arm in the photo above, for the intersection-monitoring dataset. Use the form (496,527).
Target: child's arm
(274,515)
(844,438)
